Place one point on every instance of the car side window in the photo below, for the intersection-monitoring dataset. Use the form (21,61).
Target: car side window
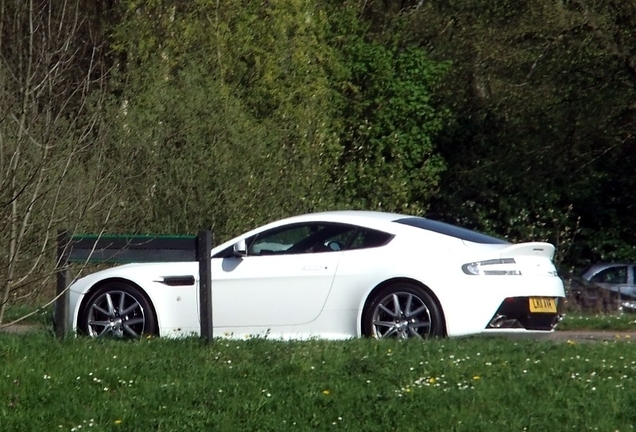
(368,238)
(612,275)
(302,238)
(314,237)
(279,240)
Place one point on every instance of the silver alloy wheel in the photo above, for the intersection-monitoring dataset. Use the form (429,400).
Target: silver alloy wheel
(403,315)
(117,314)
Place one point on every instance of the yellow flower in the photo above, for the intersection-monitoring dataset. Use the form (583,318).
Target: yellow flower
(326,392)
(431,380)
(476,377)
(118,421)
(571,342)
(628,337)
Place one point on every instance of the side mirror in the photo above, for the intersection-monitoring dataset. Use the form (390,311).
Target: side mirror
(240,249)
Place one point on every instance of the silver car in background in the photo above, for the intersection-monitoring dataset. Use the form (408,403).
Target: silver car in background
(616,277)
(606,287)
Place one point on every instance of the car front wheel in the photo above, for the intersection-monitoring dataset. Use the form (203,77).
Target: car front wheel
(402,311)
(118,310)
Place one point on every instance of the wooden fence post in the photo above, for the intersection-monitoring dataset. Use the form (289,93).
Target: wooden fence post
(61,304)
(204,245)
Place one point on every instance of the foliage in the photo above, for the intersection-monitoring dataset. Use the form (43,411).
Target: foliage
(388,119)
(476,384)
(514,118)
(51,92)
(543,93)
(227,140)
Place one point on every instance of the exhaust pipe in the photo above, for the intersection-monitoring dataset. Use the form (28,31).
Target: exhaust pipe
(498,321)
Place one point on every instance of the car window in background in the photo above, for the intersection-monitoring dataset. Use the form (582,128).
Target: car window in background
(612,275)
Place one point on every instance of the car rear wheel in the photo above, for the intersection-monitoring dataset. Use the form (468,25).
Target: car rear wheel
(402,311)
(118,310)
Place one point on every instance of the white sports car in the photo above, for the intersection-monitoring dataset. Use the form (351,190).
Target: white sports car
(334,275)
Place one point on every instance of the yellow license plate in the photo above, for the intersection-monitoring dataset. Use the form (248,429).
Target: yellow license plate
(542,305)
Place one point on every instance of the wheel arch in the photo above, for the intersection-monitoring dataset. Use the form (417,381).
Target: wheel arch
(388,282)
(101,283)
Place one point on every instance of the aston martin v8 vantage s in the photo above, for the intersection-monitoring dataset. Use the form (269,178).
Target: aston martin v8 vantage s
(334,275)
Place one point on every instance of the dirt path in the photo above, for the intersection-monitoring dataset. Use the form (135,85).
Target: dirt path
(20,328)
(579,336)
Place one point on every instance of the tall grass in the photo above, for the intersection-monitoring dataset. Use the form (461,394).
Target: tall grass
(471,384)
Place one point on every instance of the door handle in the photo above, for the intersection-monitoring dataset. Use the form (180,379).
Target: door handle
(315,267)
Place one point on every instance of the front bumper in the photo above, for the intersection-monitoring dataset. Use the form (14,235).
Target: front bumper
(514,313)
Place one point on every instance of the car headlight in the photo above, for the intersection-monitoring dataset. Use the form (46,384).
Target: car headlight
(493,267)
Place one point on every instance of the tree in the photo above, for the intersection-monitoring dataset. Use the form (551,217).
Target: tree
(226,114)
(387,115)
(50,160)
(543,93)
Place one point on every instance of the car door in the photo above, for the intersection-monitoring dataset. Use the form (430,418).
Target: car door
(615,279)
(284,279)
(630,289)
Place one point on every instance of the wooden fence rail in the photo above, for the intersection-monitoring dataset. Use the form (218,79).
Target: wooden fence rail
(77,248)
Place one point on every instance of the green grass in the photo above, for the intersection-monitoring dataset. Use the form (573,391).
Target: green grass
(464,384)
(28,314)
(589,321)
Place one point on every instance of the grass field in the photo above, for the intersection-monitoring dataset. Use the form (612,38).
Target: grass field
(465,384)
(589,321)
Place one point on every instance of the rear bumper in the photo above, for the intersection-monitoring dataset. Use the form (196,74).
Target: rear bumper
(514,313)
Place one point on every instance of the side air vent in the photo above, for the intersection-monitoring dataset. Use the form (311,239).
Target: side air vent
(187,280)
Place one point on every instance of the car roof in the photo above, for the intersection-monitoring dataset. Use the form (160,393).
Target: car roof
(592,269)
(353,214)
(378,219)
(375,220)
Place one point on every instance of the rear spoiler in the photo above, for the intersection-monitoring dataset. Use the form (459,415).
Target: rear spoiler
(537,249)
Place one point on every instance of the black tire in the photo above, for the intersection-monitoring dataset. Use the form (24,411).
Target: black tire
(402,310)
(119,310)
